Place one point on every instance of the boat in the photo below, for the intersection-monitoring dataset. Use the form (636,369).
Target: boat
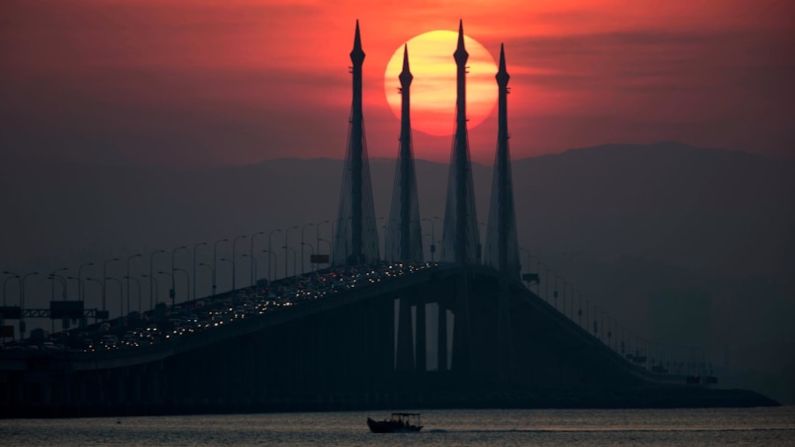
(397,423)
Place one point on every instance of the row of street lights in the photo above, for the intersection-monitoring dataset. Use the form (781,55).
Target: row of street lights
(125,282)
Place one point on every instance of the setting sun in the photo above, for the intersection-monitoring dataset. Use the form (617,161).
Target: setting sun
(434,85)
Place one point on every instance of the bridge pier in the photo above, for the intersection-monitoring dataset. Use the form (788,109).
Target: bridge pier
(461,363)
(420,351)
(441,337)
(405,342)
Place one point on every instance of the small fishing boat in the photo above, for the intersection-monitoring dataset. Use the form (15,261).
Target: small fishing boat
(397,423)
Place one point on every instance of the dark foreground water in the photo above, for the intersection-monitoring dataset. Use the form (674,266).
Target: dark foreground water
(729,427)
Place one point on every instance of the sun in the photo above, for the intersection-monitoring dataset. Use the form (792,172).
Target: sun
(434,87)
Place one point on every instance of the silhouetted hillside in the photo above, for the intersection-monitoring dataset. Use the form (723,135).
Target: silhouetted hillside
(683,244)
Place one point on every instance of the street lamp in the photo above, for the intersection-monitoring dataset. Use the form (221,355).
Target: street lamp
(11,275)
(215,274)
(196,247)
(173,292)
(271,272)
(22,282)
(251,254)
(311,251)
(98,282)
(187,284)
(303,228)
(286,257)
(215,261)
(104,281)
(286,243)
(328,242)
(128,277)
(202,264)
(317,237)
(270,261)
(170,275)
(52,277)
(153,285)
(121,293)
(432,220)
(234,258)
(138,287)
(154,290)
(81,288)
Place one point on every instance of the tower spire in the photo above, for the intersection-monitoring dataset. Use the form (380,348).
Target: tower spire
(461,242)
(404,238)
(356,238)
(502,249)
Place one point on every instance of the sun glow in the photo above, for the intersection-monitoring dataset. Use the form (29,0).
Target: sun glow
(433,90)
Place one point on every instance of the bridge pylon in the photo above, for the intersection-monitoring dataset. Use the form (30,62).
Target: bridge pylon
(356,238)
(461,239)
(502,248)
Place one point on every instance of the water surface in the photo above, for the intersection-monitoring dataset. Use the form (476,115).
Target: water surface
(678,427)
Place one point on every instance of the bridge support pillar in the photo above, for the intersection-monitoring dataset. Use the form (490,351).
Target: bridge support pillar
(505,347)
(461,329)
(441,337)
(420,341)
(405,342)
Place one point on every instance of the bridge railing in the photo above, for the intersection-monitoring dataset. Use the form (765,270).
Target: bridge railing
(657,357)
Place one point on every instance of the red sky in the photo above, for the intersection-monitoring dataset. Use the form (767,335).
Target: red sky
(204,82)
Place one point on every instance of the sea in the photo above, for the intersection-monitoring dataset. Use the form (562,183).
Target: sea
(669,427)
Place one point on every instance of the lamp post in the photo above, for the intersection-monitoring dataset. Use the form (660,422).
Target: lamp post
(215,268)
(271,273)
(195,248)
(172,293)
(64,283)
(11,275)
(432,220)
(170,275)
(201,264)
(104,281)
(286,244)
(251,260)
(295,256)
(152,285)
(187,284)
(75,279)
(100,284)
(81,289)
(328,242)
(303,229)
(121,293)
(138,288)
(127,278)
(251,254)
(154,289)
(270,261)
(234,258)
(215,261)
(311,251)
(24,288)
(317,237)
(52,277)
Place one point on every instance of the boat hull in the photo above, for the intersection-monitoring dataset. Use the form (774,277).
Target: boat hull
(391,427)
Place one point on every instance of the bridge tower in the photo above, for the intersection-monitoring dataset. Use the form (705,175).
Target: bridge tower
(404,234)
(502,249)
(356,238)
(461,241)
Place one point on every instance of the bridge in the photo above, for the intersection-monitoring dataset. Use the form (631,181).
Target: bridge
(366,337)
(368,330)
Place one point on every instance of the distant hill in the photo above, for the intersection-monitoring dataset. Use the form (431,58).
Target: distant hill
(683,244)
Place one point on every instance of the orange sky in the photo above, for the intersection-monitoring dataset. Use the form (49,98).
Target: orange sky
(236,81)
